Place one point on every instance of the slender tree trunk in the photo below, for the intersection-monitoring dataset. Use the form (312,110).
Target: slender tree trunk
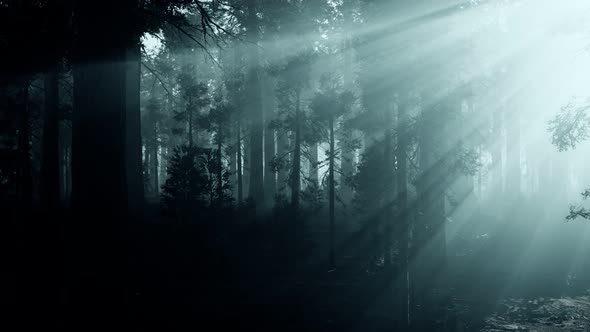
(332,194)
(135,182)
(496,152)
(189,109)
(296,165)
(513,156)
(24,176)
(219,168)
(233,178)
(68,175)
(256,162)
(389,177)
(347,160)
(282,151)
(402,203)
(50,154)
(154,161)
(239,166)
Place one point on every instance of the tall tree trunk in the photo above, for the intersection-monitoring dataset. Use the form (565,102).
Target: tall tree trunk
(313,163)
(154,161)
(24,177)
(403,142)
(496,152)
(429,243)
(331,194)
(135,182)
(239,165)
(99,163)
(513,155)
(347,160)
(219,168)
(189,109)
(389,177)
(50,150)
(255,113)
(282,151)
(270,182)
(296,162)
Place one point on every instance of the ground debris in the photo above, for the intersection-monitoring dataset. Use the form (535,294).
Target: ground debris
(541,315)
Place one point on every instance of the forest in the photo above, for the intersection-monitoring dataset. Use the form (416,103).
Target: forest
(295,165)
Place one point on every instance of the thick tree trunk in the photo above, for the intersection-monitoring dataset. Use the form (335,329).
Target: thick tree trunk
(135,182)
(256,162)
(270,182)
(429,242)
(313,164)
(99,163)
(50,170)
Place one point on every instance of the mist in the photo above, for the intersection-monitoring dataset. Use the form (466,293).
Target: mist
(289,165)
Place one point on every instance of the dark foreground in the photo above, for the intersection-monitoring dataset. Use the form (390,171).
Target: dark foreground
(156,275)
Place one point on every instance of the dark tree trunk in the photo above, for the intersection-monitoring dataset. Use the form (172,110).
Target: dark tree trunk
(270,182)
(24,179)
(154,161)
(50,170)
(282,151)
(98,258)
(255,113)
(135,182)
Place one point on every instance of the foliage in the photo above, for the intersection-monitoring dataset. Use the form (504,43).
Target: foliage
(570,127)
(192,182)
(578,211)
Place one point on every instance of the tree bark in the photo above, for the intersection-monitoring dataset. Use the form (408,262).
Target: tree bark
(313,164)
(256,162)
(219,167)
(135,182)
(403,142)
(154,161)
(50,171)
(239,165)
(189,110)
(296,162)
(24,179)
(270,182)
(331,194)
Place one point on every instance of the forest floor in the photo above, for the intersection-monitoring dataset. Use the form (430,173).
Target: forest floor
(542,315)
